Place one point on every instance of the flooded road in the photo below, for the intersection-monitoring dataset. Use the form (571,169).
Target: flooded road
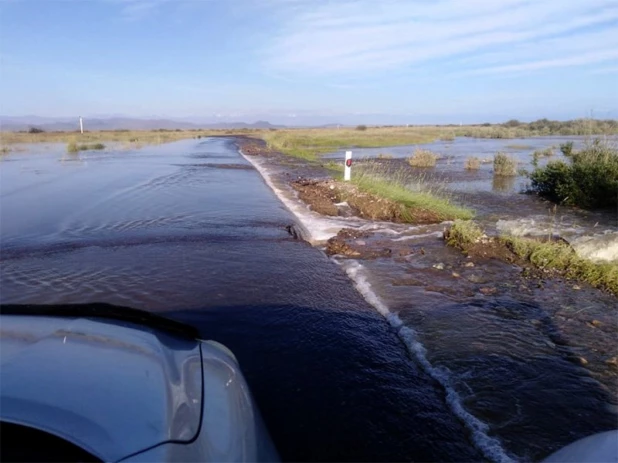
(424,356)
(190,230)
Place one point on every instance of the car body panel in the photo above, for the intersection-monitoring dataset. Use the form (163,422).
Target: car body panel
(232,429)
(112,388)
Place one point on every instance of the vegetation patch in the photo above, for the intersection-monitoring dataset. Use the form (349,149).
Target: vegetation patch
(505,165)
(73,147)
(588,179)
(311,143)
(516,146)
(423,158)
(548,256)
(473,163)
(377,199)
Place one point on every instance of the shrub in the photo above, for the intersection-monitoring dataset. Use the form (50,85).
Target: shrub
(82,147)
(97,146)
(589,180)
(567,148)
(512,123)
(361,127)
(505,165)
(423,158)
(473,163)
(385,156)
(35,130)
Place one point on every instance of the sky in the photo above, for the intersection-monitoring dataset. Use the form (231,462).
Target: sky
(364,61)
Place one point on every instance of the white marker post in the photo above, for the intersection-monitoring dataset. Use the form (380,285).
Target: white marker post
(81,125)
(348,166)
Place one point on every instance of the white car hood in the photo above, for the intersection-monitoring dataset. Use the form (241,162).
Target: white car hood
(113,388)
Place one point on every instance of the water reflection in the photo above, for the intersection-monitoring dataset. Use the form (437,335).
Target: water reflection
(503,184)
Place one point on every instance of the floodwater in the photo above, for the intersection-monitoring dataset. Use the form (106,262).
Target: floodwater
(189,229)
(426,356)
(499,202)
(527,364)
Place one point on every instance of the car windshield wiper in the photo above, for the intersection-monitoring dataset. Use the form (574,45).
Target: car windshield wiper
(102,310)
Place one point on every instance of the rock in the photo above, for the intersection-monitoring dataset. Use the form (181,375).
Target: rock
(469,264)
(456,275)
(613,361)
(576,287)
(439,266)
(582,360)
(549,344)
(596,323)
(360,242)
(487,291)
(476,279)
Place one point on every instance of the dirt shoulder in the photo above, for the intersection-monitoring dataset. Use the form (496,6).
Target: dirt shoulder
(335,198)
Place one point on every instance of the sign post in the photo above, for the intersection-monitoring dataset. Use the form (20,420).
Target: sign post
(347,174)
(81,124)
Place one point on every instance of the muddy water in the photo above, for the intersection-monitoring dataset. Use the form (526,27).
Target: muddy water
(527,364)
(190,230)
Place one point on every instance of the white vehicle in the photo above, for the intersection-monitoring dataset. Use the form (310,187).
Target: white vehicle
(97,382)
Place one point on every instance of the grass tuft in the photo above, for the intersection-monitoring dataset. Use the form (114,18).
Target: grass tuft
(72,147)
(561,257)
(396,189)
(423,158)
(473,163)
(505,165)
(462,234)
(549,255)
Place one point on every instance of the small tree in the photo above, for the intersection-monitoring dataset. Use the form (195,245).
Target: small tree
(35,130)
(361,127)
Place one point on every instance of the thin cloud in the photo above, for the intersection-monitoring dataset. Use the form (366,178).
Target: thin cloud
(134,10)
(344,38)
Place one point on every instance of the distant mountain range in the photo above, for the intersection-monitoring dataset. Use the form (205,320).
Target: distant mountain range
(14,124)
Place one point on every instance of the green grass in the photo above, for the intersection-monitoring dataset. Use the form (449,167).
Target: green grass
(463,233)
(547,255)
(442,207)
(561,257)
(309,144)
(505,165)
(588,179)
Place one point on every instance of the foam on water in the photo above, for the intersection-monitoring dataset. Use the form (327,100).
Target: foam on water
(489,446)
(319,229)
(315,228)
(536,226)
(599,248)
(436,234)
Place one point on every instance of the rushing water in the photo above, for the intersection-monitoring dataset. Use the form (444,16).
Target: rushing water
(498,201)
(429,358)
(526,364)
